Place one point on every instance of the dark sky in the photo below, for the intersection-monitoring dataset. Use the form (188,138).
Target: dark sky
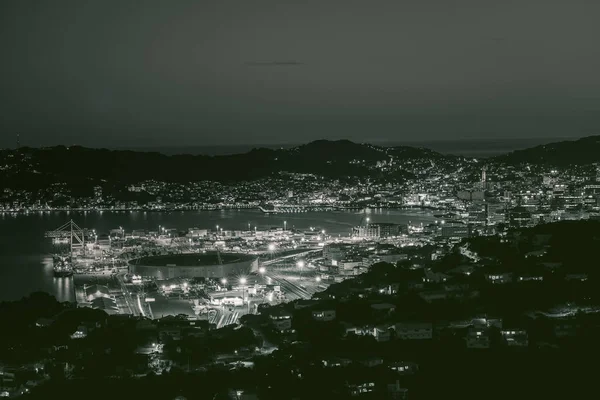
(122,73)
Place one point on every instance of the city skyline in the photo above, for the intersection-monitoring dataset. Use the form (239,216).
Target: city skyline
(273,199)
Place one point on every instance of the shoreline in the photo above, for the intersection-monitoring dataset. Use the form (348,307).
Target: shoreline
(188,209)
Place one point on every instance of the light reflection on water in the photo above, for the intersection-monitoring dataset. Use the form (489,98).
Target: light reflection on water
(63,289)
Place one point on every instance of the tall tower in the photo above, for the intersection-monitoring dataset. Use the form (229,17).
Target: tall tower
(18,140)
(483,176)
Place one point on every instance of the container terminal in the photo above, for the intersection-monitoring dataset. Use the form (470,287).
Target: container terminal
(215,275)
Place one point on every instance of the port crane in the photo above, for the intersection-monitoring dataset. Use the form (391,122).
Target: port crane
(74,235)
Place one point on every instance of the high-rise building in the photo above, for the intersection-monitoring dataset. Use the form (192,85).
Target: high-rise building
(483,176)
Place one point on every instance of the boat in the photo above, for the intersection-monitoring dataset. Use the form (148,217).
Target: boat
(62,266)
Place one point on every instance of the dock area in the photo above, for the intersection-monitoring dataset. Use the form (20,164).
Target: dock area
(101,281)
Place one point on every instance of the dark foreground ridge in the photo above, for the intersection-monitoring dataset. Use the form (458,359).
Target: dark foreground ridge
(378,335)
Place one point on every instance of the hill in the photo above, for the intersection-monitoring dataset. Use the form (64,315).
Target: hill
(561,154)
(34,167)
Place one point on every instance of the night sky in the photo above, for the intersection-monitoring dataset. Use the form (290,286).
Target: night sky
(125,73)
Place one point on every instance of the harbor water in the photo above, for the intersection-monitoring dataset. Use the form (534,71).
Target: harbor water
(25,254)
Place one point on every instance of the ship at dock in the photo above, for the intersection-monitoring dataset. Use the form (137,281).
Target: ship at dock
(62,266)
(67,241)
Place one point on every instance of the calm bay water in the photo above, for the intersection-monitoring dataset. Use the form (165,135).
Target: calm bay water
(26,266)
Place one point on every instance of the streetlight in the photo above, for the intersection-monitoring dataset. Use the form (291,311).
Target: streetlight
(318,279)
(243,282)
(271,248)
(223,281)
(300,265)
(262,270)
(284,225)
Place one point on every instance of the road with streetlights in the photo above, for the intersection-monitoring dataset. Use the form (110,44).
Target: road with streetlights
(133,309)
(297,282)
(292,290)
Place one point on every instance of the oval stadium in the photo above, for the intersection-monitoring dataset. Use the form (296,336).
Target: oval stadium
(194,265)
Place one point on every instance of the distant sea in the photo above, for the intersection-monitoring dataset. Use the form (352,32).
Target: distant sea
(463,147)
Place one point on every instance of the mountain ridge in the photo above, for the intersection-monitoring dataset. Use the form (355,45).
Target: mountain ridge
(333,159)
(582,151)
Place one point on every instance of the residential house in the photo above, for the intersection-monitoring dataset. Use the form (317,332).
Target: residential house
(323,315)
(529,277)
(499,277)
(515,337)
(382,333)
(477,339)
(281,320)
(351,329)
(414,330)
(333,362)
(434,277)
(80,333)
(361,389)
(404,367)
(389,289)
